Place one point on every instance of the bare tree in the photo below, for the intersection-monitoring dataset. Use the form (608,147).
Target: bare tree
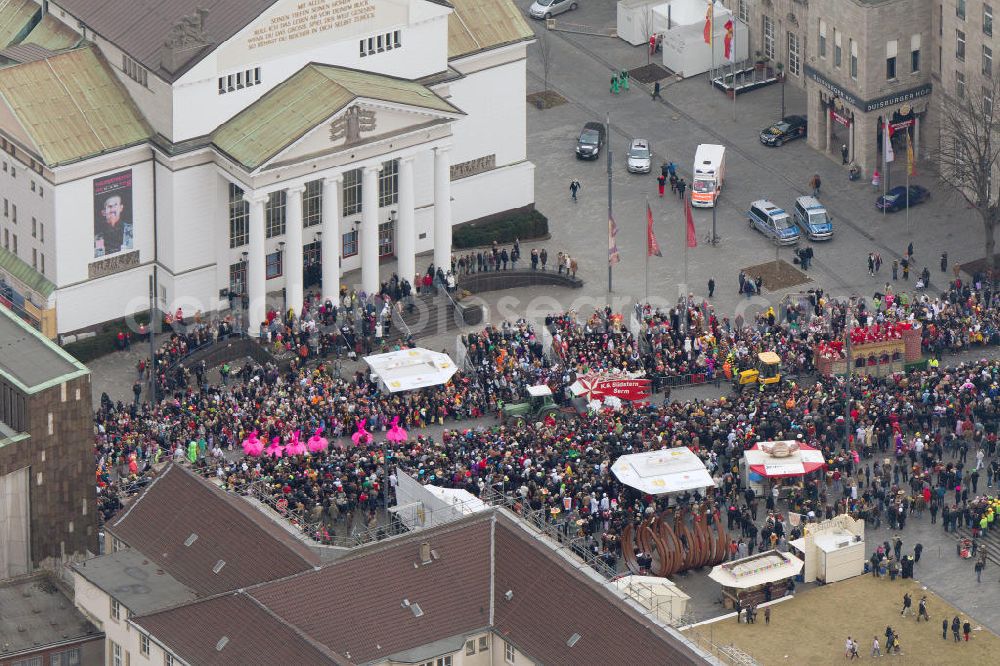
(969,150)
(545,54)
(647,30)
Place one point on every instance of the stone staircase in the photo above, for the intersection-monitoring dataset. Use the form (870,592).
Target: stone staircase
(431,314)
(991,540)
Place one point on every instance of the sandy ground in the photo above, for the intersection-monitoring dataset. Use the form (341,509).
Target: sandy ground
(813,627)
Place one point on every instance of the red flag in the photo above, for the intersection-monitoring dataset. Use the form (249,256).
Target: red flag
(613,256)
(652,247)
(728,41)
(692,235)
(708,22)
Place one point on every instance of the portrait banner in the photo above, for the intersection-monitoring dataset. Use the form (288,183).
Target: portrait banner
(113,214)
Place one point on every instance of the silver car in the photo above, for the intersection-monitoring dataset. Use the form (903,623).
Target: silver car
(546,9)
(640,156)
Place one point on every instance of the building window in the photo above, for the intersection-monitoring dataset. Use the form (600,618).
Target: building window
(987,61)
(822,39)
(352,192)
(168,660)
(34,225)
(312,203)
(768,36)
(960,45)
(116,610)
(960,85)
(273,265)
(397,39)
(837,52)
(890,60)
(794,60)
(69,657)
(239,80)
(274,214)
(239,217)
(508,652)
(853,46)
(960,9)
(238,278)
(116,654)
(470,648)
(987,103)
(6,208)
(13,213)
(6,239)
(744,11)
(144,645)
(42,269)
(14,248)
(915,53)
(988,20)
(41,232)
(34,258)
(242,79)
(28,661)
(484,643)
(134,70)
(351,243)
(388,183)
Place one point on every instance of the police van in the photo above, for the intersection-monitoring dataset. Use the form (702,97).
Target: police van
(812,218)
(766,217)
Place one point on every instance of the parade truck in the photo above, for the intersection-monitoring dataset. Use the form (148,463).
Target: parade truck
(878,350)
(709,174)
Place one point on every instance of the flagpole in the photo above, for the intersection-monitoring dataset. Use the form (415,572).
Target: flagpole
(885,163)
(907,182)
(732,46)
(607,143)
(684,290)
(711,40)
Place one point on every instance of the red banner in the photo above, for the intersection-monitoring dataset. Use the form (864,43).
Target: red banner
(624,388)
(837,118)
(652,247)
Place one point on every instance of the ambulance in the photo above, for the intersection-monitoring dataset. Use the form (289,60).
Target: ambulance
(709,174)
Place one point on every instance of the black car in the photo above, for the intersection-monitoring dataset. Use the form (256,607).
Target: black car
(792,127)
(591,140)
(895,199)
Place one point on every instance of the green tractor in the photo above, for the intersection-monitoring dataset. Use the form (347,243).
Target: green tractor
(538,406)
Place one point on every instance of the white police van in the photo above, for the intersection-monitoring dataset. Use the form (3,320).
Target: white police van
(812,218)
(766,217)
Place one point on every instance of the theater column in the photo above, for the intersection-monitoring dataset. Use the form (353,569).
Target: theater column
(442,209)
(293,249)
(406,249)
(369,229)
(330,247)
(256,265)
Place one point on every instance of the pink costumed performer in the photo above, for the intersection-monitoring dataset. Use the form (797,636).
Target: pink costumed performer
(295,447)
(362,436)
(274,449)
(252,446)
(396,434)
(317,443)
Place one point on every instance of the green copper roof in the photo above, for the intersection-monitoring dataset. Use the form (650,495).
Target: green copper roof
(306,99)
(18,269)
(72,106)
(15,18)
(52,34)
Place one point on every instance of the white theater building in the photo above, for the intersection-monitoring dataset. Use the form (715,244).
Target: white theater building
(229,143)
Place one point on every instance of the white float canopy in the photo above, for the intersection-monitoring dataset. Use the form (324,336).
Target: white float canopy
(663,471)
(767,567)
(411,369)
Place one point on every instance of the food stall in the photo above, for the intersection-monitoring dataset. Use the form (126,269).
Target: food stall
(753,580)
(832,550)
(771,462)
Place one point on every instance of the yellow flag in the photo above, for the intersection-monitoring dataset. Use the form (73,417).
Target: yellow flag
(909,155)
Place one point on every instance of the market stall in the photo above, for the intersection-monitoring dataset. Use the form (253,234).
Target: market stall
(769,463)
(832,550)
(753,580)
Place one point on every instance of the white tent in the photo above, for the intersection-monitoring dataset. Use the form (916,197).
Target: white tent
(410,369)
(684,49)
(767,567)
(663,471)
(657,594)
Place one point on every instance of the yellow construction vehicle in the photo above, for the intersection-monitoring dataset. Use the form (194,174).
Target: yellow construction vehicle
(767,372)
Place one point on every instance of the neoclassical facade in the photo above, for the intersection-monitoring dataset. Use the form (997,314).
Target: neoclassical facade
(247,150)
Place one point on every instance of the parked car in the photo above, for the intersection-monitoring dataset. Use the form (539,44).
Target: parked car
(546,9)
(812,218)
(591,140)
(640,156)
(895,199)
(790,127)
(766,217)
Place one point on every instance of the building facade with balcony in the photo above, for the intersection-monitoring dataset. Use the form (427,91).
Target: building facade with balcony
(249,148)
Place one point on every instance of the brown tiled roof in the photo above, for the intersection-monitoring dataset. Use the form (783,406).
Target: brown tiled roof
(253,635)
(354,605)
(552,600)
(178,504)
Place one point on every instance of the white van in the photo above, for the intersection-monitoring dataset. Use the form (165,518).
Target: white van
(709,174)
